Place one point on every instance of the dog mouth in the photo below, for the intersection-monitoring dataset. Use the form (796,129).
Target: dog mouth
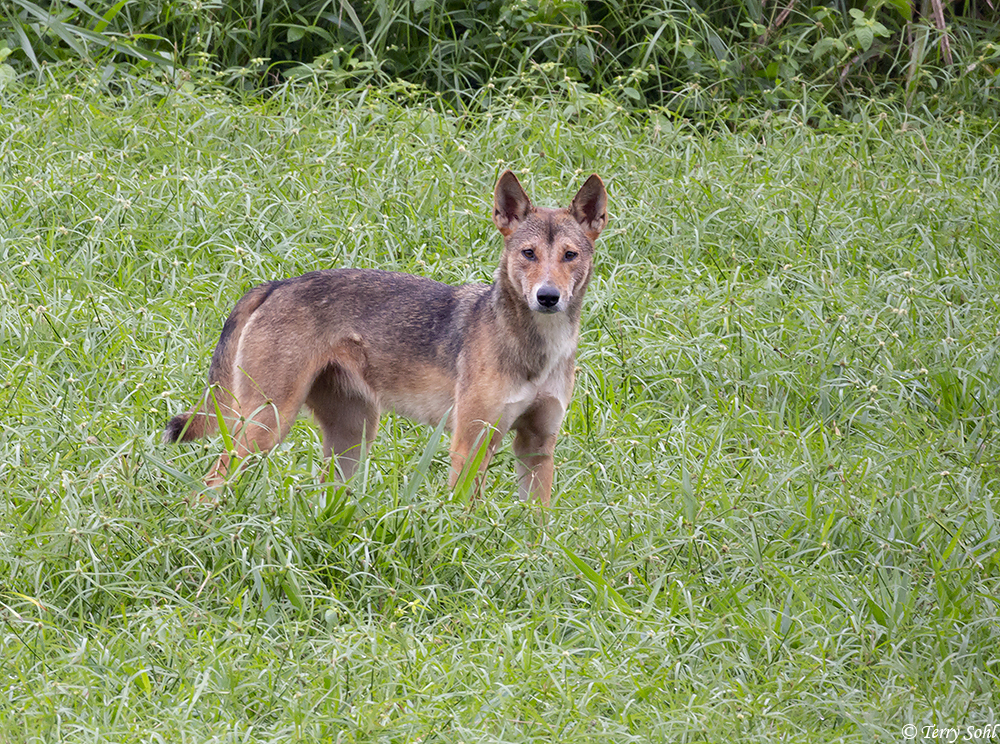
(543,310)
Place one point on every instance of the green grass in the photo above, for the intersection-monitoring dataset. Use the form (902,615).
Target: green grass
(774,516)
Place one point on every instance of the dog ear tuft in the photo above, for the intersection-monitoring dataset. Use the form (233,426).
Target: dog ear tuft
(510,204)
(590,207)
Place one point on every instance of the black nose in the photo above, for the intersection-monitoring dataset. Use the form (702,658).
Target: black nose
(547,296)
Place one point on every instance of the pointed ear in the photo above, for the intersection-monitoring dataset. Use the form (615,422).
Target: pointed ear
(590,207)
(510,204)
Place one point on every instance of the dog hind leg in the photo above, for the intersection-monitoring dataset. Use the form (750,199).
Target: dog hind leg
(266,424)
(261,411)
(346,415)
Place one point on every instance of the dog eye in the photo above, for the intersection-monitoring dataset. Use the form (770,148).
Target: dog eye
(570,255)
(528,254)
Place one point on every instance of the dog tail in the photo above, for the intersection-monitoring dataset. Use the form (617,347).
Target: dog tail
(186,427)
(202,420)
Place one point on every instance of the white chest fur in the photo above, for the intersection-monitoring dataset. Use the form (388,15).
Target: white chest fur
(560,336)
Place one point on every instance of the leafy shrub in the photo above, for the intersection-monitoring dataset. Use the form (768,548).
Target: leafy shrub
(689,57)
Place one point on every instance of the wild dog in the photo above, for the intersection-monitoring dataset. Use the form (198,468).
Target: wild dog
(351,343)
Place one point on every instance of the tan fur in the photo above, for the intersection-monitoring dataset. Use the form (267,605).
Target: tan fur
(350,343)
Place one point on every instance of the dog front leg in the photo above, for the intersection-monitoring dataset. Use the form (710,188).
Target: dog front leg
(535,465)
(534,447)
(472,440)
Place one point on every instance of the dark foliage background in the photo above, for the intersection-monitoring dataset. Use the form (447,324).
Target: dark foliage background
(688,56)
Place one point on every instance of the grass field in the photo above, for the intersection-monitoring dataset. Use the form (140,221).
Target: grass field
(775,511)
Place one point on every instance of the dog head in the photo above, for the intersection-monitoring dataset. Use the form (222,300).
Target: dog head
(548,253)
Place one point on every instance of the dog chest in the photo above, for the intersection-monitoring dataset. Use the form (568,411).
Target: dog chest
(555,385)
(559,337)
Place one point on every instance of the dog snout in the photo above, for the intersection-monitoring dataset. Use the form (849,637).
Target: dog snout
(547,296)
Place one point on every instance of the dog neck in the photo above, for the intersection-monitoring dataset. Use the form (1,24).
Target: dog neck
(537,341)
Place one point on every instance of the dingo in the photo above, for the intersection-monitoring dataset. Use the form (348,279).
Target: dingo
(350,343)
